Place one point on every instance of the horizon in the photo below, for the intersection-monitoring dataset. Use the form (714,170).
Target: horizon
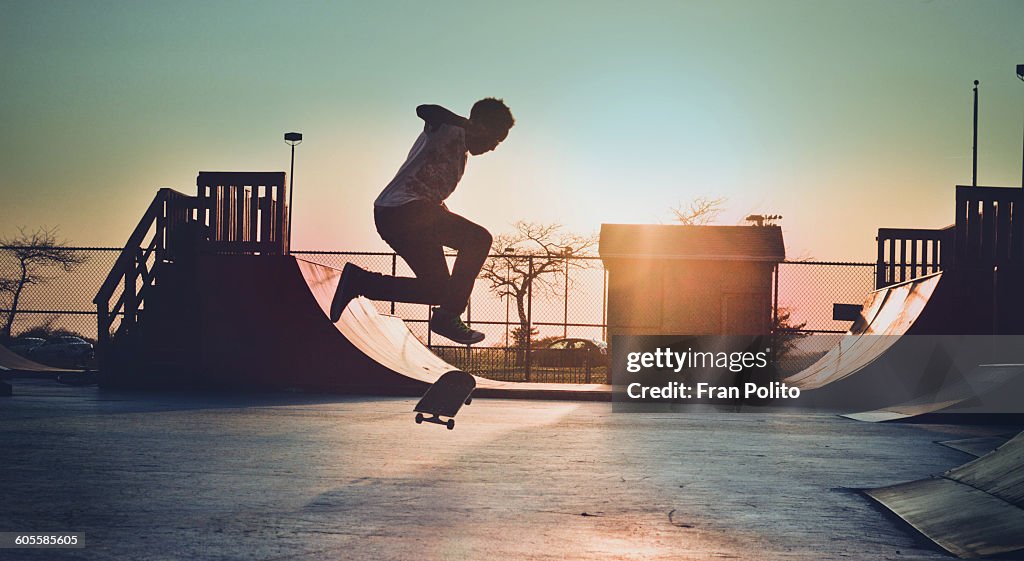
(854,116)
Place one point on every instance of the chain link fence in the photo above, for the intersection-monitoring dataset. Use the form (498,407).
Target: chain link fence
(571,303)
(61,301)
(806,292)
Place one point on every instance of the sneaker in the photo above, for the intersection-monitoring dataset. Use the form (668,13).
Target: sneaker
(450,325)
(347,290)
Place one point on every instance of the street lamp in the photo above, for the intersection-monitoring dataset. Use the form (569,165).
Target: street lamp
(1020,75)
(292,139)
(974,149)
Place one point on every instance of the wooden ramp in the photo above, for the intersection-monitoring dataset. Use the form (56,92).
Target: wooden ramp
(848,374)
(12,363)
(976,446)
(988,389)
(974,510)
(265,325)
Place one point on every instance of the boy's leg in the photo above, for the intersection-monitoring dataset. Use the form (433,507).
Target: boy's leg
(473,243)
(410,231)
(417,232)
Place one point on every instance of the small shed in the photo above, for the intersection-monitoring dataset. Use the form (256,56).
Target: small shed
(690,280)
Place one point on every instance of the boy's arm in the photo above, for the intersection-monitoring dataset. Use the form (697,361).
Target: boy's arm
(435,116)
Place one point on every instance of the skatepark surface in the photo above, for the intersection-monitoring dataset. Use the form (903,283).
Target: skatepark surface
(299,477)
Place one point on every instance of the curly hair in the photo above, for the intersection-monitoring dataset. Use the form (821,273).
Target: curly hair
(492,113)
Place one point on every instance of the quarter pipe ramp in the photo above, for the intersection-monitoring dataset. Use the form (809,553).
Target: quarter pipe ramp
(264,325)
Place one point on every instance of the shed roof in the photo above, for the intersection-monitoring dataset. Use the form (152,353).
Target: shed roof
(658,241)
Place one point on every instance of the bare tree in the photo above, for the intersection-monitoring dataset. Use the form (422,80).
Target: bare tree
(700,211)
(36,254)
(528,259)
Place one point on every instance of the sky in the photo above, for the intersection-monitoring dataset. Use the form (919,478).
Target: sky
(843,117)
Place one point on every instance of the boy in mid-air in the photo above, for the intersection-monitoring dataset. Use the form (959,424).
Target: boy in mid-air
(412,218)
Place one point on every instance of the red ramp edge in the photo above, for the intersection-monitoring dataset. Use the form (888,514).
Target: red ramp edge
(264,325)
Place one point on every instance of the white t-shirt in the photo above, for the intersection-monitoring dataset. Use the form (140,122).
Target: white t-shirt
(432,170)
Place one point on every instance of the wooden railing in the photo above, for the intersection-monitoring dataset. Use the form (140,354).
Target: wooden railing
(245,212)
(234,212)
(122,293)
(907,253)
(989,227)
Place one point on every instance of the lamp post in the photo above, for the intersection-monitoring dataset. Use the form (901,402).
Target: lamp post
(974,149)
(292,139)
(1020,75)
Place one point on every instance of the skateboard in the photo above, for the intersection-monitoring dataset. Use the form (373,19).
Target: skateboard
(445,397)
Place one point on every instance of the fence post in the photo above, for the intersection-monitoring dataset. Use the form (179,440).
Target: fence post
(604,303)
(565,311)
(775,320)
(529,315)
(394,273)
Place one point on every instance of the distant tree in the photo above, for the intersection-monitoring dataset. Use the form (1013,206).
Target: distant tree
(787,333)
(35,254)
(699,211)
(550,249)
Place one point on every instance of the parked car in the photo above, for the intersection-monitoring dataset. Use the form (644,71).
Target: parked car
(572,352)
(22,345)
(66,350)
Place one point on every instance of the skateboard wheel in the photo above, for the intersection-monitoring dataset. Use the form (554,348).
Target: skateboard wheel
(419,418)
(469,400)
(450,424)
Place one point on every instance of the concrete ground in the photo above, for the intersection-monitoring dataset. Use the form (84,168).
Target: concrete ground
(148,476)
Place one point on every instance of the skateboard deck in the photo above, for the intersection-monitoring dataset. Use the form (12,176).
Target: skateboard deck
(445,397)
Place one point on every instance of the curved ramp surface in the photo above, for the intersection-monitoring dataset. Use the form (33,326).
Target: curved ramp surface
(988,389)
(13,363)
(974,510)
(887,315)
(897,351)
(264,322)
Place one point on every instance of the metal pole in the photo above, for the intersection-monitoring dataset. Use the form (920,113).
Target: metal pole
(508,295)
(293,139)
(604,303)
(565,313)
(529,316)
(974,169)
(1020,76)
(291,194)
(775,317)
(394,273)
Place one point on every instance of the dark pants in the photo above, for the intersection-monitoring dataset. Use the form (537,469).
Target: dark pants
(418,232)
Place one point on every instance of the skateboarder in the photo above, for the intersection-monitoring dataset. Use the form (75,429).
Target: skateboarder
(412,218)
